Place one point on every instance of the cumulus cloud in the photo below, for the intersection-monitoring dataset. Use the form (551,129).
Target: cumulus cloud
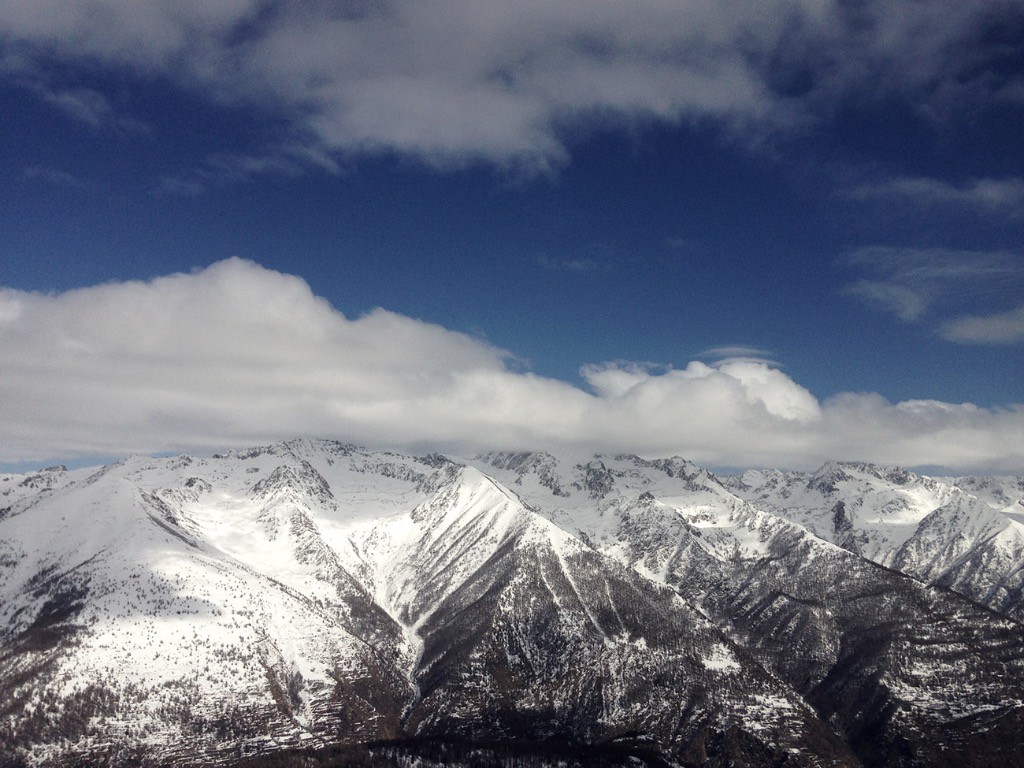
(237,354)
(454,82)
(616,379)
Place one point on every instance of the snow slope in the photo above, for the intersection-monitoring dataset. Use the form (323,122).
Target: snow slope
(965,534)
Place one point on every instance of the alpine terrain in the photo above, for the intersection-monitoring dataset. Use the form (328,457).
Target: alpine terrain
(316,603)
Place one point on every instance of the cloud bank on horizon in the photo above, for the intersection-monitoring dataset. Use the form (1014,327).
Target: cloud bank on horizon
(236,354)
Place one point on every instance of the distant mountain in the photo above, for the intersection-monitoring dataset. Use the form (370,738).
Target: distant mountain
(965,534)
(316,599)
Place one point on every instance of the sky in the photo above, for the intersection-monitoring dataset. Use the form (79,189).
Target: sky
(763,233)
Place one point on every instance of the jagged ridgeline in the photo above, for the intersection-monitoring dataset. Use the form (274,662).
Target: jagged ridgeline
(313,603)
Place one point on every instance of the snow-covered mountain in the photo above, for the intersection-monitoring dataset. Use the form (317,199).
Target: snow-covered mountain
(312,594)
(965,534)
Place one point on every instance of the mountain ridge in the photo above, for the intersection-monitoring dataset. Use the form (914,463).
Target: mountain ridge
(315,593)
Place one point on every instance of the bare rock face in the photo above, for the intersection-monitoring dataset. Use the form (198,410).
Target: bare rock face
(312,601)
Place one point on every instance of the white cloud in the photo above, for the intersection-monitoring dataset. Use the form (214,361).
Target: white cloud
(237,354)
(466,80)
(988,195)
(616,379)
(87,106)
(999,328)
(943,286)
(11,307)
(767,386)
(907,302)
(83,104)
(930,266)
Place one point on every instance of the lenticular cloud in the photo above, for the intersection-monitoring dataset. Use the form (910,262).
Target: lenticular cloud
(236,354)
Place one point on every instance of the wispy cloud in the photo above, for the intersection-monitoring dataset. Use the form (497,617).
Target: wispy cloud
(906,302)
(936,265)
(1004,196)
(190,185)
(681,245)
(86,106)
(288,159)
(722,353)
(83,104)
(235,354)
(934,284)
(54,177)
(579,265)
(999,328)
(459,82)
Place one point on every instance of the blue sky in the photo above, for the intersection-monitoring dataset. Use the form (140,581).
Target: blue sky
(811,200)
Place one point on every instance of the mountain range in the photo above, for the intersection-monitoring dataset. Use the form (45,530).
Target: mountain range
(320,603)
